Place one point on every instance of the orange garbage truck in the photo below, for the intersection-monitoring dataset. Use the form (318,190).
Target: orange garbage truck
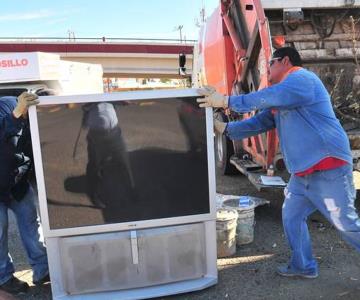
(235,45)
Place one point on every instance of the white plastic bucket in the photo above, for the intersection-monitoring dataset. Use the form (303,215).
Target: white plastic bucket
(245,221)
(226,223)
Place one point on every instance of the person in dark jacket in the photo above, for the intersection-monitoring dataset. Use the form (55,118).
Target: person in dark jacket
(17,194)
(315,147)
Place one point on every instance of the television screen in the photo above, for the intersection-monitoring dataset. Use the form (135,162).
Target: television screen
(123,161)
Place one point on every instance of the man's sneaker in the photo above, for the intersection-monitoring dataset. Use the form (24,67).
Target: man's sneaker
(43,280)
(286,271)
(14,286)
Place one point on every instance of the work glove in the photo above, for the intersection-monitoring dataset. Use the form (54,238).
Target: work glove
(23,102)
(219,126)
(212,98)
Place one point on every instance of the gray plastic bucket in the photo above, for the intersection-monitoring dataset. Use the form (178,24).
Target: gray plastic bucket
(226,223)
(245,221)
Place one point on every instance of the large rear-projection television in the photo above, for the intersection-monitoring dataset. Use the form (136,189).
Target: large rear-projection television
(122,161)
(126,186)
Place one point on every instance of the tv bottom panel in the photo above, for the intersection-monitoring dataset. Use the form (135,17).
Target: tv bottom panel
(134,264)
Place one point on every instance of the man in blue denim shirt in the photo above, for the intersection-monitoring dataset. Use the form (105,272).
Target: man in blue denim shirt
(315,147)
(16,194)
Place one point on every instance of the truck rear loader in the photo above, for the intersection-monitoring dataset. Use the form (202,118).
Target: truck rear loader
(236,42)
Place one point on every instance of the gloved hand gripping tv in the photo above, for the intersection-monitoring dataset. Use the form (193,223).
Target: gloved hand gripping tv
(212,98)
(23,102)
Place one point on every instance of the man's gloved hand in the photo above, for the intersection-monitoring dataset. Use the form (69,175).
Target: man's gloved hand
(212,98)
(23,102)
(219,126)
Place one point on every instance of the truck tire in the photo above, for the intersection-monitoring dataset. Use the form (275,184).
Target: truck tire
(224,149)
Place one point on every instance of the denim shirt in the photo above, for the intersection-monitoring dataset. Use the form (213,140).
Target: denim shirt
(9,127)
(300,109)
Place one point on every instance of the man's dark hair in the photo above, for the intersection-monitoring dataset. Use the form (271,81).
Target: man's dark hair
(290,52)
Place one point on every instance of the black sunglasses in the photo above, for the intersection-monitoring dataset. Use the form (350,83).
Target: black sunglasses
(271,61)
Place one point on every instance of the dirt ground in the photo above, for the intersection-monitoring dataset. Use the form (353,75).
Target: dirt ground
(250,273)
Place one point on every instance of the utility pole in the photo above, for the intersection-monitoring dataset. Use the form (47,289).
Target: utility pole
(202,14)
(71,35)
(180,27)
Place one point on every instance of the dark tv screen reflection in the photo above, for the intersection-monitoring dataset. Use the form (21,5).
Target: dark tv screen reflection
(115,162)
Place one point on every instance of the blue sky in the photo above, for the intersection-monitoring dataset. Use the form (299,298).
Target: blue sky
(109,18)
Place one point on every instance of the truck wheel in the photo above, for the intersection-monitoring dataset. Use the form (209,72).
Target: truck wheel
(224,149)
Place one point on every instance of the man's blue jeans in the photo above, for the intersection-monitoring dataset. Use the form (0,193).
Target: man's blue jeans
(28,224)
(332,192)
